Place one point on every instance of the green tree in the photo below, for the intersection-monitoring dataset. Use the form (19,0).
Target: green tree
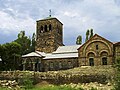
(79,40)
(117,78)
(33,42)
(87,35)
(24,41)
(91,33)
(11,55)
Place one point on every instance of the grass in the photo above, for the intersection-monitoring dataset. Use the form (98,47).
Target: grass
(54,88)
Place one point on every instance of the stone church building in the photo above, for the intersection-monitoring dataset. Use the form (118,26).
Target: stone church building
(51,54)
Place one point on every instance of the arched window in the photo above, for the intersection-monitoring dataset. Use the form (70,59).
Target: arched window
(104,56)
(60,65)
(45,28)
(70,64)
(91,61)
(91,58)
(104,61)
(51,65)
(50,27)
(41,29)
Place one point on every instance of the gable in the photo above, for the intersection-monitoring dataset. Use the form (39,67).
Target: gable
(96,38)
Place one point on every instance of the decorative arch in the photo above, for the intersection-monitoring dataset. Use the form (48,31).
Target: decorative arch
(90,52)
(84,50)
(103,51)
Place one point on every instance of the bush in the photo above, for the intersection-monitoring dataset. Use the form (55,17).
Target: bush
(117,78)
(27,82)
(93,88)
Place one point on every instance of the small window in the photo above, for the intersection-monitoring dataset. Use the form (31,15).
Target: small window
(50,27)
(45,28)
(41,29)
(96,47)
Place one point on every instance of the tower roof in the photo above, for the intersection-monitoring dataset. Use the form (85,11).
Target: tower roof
(49,18)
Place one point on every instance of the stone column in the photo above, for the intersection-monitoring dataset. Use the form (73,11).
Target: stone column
(24,67)
(33,66)
(38,66)
(24,62)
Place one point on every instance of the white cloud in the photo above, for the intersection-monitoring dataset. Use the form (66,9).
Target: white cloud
(76,15)
(14,25)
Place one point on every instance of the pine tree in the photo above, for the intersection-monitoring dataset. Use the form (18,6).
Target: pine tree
(87,35)
(79,40)
(91,33)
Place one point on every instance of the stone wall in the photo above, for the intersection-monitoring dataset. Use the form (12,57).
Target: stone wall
(59,64)
(98,49)
(77,75)
(117,50)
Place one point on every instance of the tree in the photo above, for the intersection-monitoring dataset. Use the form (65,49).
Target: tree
(33,43)
(91,33)
(87,35)
(11,55)
(24,41)
(117,78)
(79,40)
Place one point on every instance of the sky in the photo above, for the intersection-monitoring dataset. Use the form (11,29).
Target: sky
(103,16)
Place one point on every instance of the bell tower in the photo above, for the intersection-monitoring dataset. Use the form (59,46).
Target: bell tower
(49,33)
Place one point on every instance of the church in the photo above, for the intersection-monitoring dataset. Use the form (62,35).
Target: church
(52,55)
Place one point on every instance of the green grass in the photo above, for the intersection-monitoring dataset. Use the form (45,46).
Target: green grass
(54,88)
(4,88)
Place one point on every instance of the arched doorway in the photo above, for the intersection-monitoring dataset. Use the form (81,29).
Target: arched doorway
(91,58)
(104,56)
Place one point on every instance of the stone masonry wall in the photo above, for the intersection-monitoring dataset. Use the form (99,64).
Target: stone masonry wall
(85,74)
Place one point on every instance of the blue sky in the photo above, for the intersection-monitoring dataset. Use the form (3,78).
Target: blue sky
(76,15)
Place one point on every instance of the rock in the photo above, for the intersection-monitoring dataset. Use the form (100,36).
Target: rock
(6,84)
(100,85)
(109,84)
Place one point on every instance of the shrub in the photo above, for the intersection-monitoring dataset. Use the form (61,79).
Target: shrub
(117,78)
(27,82)
(93,88)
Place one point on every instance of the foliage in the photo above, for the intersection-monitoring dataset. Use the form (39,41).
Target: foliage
(27,44)
(1,88)
(24,41)
(93,88)
(27,82)
(79,40)
(33,43)
(89,34)
(11,52)
(54,87)
(10,55)
(117,78)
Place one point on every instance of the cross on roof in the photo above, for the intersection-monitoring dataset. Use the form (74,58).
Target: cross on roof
(50,13)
